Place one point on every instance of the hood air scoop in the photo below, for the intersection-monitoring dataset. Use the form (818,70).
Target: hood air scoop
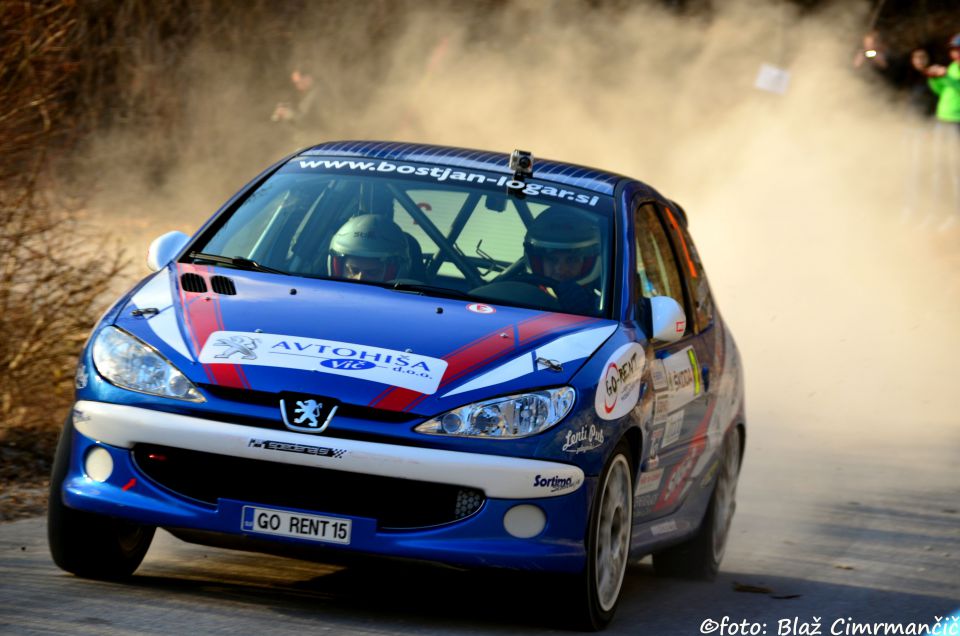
(193,283)
(223,285)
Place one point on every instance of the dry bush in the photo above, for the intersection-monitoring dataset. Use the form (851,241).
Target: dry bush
(52,271)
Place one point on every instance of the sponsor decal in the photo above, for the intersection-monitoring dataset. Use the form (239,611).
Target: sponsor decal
(81,378)
(441,174)
(302,449)
(656,439)
(555,483)
(347,364)
(242,345)
(678,477)
(586,439)
(658,375)
(683,378)
(644,504)
(661,407)
(663,528)
(649,482)
(673,428)
(80,416)
(480,308)
(709,475)
(619,387)
(681,326)
(374,364)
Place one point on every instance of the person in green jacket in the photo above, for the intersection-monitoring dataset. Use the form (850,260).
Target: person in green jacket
(945,82)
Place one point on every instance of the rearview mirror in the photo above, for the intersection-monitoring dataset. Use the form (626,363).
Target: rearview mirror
(164,249)
(667,318)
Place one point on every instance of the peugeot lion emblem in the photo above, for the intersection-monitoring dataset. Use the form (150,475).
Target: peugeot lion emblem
(304,415)
(243,345)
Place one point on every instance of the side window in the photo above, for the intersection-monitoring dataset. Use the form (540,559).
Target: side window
(657,273)
(692,270)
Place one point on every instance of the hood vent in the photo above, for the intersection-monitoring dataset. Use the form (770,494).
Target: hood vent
(223,285)
(193,283)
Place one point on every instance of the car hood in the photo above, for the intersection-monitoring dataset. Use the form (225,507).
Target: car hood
(360,344)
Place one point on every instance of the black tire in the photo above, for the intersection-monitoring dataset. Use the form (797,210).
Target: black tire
(699,557)
(85,544)
(596,590)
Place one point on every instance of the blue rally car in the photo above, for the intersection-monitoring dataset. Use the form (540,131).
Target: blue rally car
(421,352)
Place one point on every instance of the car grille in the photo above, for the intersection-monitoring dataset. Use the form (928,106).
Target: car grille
(396,504)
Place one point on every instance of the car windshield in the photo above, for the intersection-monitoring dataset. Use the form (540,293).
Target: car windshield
(426,229)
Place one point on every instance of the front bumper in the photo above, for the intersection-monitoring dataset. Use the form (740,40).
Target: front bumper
(480,539)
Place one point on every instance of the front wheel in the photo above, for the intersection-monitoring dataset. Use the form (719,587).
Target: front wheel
(608,545)
(87,544)
(700,556)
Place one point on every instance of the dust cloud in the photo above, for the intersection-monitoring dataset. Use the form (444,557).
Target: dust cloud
(844,306)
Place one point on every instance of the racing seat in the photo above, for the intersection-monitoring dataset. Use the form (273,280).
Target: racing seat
(417,270)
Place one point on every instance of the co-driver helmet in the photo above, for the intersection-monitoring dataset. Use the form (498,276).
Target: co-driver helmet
(564,229)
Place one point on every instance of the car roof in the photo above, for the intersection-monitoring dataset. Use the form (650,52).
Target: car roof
(599,181)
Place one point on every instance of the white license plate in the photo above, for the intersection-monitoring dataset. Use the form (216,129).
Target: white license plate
(294,524)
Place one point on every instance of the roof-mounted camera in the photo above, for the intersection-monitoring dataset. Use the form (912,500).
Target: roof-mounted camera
(521,162)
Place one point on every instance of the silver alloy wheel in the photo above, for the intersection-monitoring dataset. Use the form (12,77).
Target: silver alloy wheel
(725,497)
(613,533)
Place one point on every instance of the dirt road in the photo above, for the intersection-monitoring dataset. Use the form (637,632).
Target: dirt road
(880,543)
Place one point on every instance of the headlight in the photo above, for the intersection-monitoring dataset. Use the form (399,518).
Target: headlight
(132,364)
(506,417)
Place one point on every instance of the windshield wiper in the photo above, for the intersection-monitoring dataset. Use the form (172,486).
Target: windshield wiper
(431,290)
(236,261)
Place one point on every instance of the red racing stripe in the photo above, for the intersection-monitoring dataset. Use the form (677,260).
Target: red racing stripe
(479,353)
(200,314)
(184,311)
(239,377)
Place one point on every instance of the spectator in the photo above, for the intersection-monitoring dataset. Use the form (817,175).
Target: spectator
(304,112)
(945,82)
(885,63)
(918,141)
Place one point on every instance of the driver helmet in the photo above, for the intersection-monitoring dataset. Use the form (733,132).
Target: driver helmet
(374,241)
(564,230)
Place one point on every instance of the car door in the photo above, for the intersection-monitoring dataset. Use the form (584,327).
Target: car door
(679,374)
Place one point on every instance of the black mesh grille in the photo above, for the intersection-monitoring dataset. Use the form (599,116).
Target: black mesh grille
(193,283)
(396,504)
(223,285)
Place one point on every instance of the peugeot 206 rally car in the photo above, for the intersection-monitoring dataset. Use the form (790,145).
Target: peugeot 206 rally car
(420,352)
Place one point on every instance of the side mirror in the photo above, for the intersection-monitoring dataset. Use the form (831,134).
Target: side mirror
(164,249)
(667,318)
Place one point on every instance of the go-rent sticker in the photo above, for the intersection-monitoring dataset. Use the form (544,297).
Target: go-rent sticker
(619,387)
(386,366)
